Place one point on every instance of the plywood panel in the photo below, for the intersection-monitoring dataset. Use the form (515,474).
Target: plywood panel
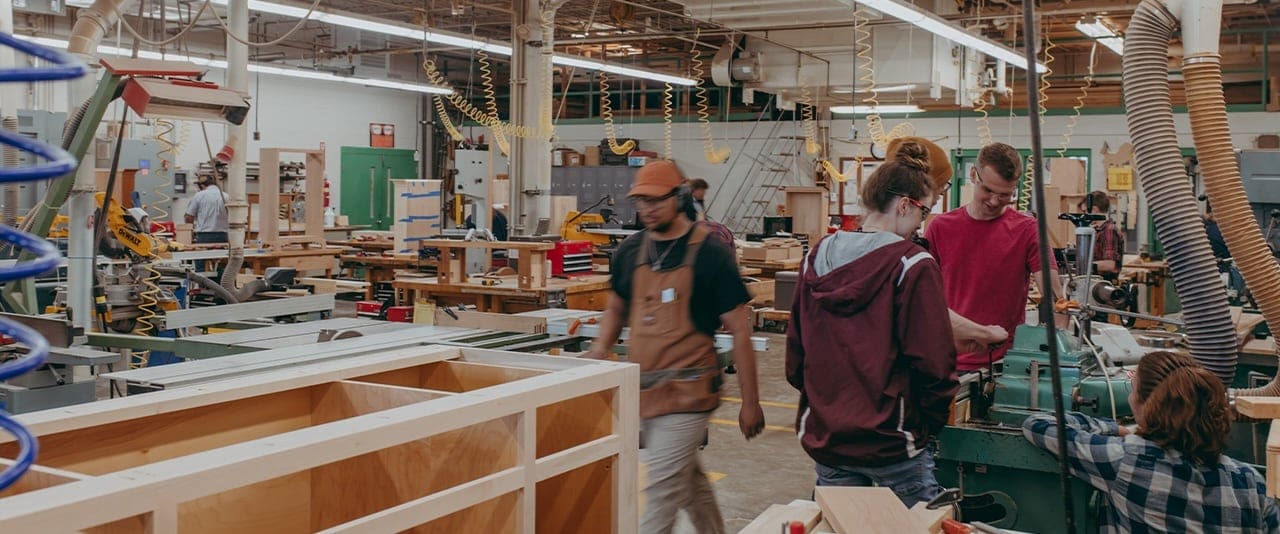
(341,400)
(37,478)
(128,525)
(416,208)
(278,505)
(808,209)
(497,516)
(573,422)
(866,511)
(451,376)
(151,439)
(578,501)
(359,486)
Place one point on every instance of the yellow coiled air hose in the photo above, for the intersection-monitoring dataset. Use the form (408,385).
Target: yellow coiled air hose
(866,64)
(482,118)
(984,119)
(606,114)
(1079,105)
(811,145)
(667,112)
(445,121)
(1042,102)
(146,324)
(491,101)
(709,150)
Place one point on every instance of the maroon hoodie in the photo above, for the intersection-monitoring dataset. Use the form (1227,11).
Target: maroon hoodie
(869,347)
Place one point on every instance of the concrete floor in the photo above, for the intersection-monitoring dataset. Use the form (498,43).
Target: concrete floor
(748,476)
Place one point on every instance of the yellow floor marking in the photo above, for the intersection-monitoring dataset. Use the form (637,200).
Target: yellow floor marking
(714,476)
(764,403)
(727,422)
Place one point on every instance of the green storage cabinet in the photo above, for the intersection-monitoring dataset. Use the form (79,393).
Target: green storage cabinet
(366,190)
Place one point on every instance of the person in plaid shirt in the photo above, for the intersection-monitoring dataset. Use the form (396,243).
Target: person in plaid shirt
(1169,475)
(1108,246)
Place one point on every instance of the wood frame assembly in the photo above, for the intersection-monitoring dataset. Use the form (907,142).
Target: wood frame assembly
(269,198)
(532,273)
(581,293)
(417,439)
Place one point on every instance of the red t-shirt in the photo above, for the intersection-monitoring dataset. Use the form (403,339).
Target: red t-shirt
(986,267)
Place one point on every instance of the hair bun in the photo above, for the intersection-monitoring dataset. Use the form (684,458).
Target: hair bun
(913,154)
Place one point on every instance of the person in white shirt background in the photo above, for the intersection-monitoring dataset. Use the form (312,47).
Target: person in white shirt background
(207,211)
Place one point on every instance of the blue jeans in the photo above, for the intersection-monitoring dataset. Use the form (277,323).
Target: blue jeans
(911,480)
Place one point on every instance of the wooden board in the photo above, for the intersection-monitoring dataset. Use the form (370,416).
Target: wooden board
(777,515)
(866,511)
(416,209)
(491,321)
(561,205)
(808,208)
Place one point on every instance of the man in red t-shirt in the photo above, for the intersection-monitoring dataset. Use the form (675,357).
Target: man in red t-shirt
(988,253)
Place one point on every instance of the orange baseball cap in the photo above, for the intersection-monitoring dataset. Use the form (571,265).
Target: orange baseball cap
(656,179)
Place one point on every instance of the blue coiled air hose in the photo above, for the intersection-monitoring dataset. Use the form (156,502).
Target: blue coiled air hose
(57,162)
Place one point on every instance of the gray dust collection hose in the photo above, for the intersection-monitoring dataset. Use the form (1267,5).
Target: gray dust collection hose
(1165,185)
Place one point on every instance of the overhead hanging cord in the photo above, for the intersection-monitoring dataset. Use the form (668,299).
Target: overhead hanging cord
(710,152)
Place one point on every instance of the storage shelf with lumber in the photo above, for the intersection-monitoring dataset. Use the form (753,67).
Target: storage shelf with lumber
(419,439)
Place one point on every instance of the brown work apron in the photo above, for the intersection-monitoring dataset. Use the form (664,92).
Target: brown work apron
(679,371)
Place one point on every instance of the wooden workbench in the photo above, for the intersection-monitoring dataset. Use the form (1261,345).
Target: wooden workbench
(376,246)
(303,260)
(581,293)
(1153,274)
(331,233)
(384,269)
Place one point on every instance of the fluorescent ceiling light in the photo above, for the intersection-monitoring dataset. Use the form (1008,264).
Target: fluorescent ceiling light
(942,28)
(413,32)
(1108,37)
(887,108)
(885,89)
(253,67)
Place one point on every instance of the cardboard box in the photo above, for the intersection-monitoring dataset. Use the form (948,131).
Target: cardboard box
(591,156)
(573,159)
(771,253)
(1068,175)
(761,291)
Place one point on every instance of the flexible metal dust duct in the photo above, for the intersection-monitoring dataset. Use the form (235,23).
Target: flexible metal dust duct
(1220,170)
(1205,311)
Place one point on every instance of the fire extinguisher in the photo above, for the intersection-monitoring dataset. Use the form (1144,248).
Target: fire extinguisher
(326,192)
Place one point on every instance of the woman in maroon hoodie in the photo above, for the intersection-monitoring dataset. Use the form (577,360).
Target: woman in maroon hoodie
(869,345)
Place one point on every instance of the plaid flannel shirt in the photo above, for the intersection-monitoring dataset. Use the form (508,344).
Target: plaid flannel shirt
(1109,243)
(1152,489)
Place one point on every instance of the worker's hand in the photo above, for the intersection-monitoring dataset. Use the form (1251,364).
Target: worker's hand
(751,419)
(596,353)
(988,336)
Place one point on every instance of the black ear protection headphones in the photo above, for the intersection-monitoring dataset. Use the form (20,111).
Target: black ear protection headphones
(684,201)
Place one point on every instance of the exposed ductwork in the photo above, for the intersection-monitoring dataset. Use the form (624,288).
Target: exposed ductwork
(92,24)
(1164,183)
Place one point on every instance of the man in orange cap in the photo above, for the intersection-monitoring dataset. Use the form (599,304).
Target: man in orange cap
(677,287)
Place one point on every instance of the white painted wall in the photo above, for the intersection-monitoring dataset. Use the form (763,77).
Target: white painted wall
(1090,132)
(294,113)
(289,113)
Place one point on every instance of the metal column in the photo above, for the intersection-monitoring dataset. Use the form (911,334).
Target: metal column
(531,87)
(238,80)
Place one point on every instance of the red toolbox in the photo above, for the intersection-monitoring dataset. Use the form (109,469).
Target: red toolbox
(570,258)
(400,314)
(368,308)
